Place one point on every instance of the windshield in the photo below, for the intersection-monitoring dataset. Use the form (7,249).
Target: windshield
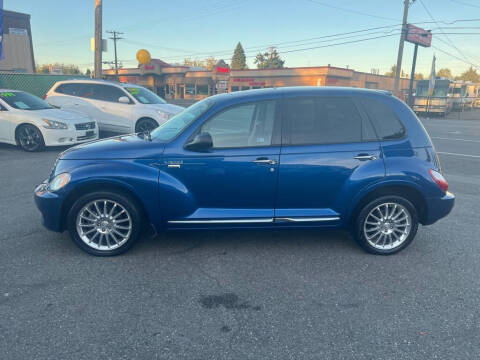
(23,101)
(440,89)
(179,122)
(145,96)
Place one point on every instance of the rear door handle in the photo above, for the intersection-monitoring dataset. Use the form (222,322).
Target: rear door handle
(363,157)
(264,161)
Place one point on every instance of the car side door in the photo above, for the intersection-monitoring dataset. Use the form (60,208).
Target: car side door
(116,116)
(6,124)
(233,183)
(329,152)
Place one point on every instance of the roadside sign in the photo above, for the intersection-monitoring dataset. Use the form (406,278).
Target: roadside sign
(419,36)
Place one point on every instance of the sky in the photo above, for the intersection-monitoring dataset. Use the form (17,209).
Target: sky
(174,30)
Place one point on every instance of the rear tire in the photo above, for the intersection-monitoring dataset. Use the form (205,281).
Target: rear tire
(145,125)
(29,138)
(104,223)
(386,225)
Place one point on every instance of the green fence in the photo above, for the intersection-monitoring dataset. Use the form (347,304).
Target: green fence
(36,84)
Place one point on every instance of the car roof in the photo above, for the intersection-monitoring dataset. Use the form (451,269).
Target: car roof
(11,90)
(292,91)
(90,81)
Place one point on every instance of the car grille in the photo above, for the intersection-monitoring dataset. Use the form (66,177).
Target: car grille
(85,126)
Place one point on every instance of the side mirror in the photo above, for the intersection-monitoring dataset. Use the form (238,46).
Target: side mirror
(124,100)
(201,142)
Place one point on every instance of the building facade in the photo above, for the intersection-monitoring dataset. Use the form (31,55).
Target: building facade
(17,43)
(183,82)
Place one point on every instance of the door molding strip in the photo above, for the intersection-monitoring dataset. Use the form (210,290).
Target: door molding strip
(222,221)
(307,219)
(257,220)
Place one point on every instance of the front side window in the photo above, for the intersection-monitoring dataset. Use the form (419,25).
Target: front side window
(386,123)
(23,101)
(144,96)
(107,93)
(244,125)
(316,120)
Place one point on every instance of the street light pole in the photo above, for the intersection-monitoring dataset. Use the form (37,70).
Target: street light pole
(98,39)
(400,47)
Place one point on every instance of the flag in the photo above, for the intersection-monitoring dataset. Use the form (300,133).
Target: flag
(431,83)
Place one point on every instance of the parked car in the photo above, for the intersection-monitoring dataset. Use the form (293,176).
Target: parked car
(31,123)
(117,107)
(264,159)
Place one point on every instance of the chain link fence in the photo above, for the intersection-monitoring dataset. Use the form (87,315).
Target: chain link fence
(36,84)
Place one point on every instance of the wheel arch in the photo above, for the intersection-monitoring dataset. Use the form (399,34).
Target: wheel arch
(95,186)
(144,118)
(405,190)
(18,126)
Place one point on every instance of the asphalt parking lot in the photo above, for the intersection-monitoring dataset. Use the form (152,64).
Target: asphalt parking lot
(243,295)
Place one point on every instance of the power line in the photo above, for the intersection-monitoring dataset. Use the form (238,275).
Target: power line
(446,36)
(465,3)
(350,10)
(456,57)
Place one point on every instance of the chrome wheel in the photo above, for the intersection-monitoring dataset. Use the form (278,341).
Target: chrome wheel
(387,226)
(104,224)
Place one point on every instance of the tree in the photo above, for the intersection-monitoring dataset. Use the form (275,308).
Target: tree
(239,61)
(419,76)
(208,63)
(88,72)
(393,70)
(469,75)
(444,73)
(269,60)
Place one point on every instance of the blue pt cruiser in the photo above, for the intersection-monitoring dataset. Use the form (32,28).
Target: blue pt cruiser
(304,157)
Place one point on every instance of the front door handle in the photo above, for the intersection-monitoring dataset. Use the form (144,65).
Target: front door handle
(363,157)
(264,161)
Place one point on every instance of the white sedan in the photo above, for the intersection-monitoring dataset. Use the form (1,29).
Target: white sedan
(31,123)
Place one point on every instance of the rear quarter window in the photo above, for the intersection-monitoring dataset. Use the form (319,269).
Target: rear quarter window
(67,89)
(387,125)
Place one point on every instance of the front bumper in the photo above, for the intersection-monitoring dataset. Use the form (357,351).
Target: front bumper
(50,206)
(68,136)
(439,207)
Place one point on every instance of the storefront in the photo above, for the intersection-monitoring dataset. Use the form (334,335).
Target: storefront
(182,82)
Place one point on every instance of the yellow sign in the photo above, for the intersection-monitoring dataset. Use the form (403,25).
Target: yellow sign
(143,56)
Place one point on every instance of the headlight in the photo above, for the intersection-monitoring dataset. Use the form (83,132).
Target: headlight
(59,181)
(163,115)
(52,124)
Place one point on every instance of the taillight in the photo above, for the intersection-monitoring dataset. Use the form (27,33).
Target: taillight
(439,179)
(45,97)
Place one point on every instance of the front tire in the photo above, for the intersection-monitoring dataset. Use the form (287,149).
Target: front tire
(104,223)
(145,125)
(386,225)
(30,138)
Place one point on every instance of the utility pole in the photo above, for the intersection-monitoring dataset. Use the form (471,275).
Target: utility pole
(115,37)
(98,40)
(398,70)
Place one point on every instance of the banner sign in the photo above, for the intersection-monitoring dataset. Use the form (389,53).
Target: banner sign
(1,29)
(419,36)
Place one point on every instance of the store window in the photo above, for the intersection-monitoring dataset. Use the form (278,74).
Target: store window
(202,89)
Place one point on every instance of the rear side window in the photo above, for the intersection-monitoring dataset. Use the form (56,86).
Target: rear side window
(386,123)
(68,89)
(316,120)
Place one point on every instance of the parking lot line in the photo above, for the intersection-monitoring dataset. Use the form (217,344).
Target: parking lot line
(456,154)
(454,139)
